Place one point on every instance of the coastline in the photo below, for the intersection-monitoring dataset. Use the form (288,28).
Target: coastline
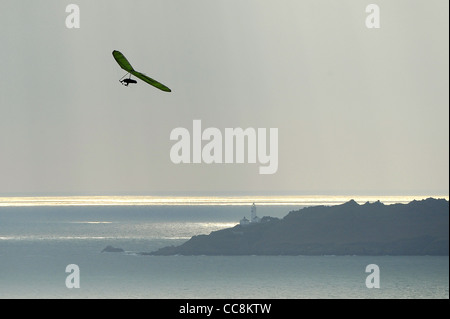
(372,229)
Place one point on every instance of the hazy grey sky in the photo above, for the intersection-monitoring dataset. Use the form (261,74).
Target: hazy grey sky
(358,110)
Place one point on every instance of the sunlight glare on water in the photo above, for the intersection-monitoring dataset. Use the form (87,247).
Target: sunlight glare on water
(202,200)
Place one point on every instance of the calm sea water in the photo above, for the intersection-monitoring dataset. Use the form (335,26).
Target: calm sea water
(38,242)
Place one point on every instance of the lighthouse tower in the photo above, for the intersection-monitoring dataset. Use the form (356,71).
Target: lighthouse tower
(253,217)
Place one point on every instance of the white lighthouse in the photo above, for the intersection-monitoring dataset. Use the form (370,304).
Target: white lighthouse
(254,218)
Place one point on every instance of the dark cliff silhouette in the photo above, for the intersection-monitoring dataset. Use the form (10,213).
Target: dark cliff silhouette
(416,228)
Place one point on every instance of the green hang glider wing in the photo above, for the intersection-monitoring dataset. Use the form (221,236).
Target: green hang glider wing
(122,61)
(124,64)
(150,81)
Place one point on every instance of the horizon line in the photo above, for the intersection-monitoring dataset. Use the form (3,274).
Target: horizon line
(217,200)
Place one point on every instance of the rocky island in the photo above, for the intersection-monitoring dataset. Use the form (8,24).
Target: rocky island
(111,249)
(416,228)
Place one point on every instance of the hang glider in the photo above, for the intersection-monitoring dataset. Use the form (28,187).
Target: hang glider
(125,64)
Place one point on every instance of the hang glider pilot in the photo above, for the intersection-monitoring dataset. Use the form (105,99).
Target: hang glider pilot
(126,82)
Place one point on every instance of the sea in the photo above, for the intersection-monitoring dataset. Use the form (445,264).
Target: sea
(51,247)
